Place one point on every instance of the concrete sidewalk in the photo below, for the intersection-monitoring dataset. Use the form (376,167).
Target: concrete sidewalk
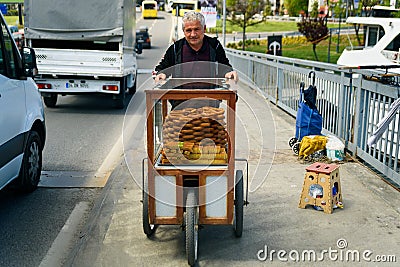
(368,226)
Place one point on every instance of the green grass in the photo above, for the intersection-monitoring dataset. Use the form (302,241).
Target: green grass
(269,26)
(266,26)
(301,50)
(305,50)
(12,20)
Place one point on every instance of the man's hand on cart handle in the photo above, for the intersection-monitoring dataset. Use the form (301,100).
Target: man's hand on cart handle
(232,75)
(159,77)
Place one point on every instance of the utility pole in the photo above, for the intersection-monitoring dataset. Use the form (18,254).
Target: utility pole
(223,22)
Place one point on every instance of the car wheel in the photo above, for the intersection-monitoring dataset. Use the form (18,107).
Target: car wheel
(50,101)
(31,167)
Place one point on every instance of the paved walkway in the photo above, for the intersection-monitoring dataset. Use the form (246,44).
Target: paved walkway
(368,226)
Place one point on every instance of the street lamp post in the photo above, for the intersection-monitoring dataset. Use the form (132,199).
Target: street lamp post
(223,22)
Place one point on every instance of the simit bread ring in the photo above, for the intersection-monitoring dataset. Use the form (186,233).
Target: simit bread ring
(219,111)
(196,122)
(197,128)
(205,124)
(187,132)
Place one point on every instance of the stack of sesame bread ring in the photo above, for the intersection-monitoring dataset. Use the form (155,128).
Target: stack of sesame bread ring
(195,136)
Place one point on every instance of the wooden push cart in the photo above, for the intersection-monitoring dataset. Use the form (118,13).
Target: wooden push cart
(190,178)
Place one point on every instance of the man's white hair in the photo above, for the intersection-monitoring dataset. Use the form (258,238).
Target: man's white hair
(191,16)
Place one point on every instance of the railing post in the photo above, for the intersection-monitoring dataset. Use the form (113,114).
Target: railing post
(279,85)
(358,115)
(250,69)
(340,109)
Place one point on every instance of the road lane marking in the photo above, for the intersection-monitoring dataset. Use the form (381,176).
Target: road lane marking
(59,250)
(71,179)
(144,71)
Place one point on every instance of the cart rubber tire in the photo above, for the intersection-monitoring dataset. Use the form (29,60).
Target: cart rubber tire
(239,203)
(148,228)
(191,229)
(50,101)
(296,148)
(292,141)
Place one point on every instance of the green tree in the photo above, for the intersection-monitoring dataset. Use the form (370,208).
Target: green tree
(366,6)
(314,29)
(267,9)
(296,7)
(339,9)
(241,12)
(314,11)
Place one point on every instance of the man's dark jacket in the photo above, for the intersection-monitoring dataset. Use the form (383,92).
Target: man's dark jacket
(173,57)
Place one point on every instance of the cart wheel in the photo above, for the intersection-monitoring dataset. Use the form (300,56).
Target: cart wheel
(296,148)
(148,228)
(191,227)
(292,141)
(239,202)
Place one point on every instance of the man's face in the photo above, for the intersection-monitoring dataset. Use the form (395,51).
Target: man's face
(194,33)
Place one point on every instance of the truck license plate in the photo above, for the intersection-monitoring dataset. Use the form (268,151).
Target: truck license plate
(77,85)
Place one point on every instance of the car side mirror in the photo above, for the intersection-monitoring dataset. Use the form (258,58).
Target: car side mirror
(138,48)
(29,62)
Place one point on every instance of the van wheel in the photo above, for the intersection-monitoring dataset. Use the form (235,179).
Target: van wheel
(31,168)
(50,101)
(119,100)
(132,89)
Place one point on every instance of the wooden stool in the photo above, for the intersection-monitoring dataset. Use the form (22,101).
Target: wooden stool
(321,187)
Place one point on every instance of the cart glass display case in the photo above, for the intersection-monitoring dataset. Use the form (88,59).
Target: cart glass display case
(191,124)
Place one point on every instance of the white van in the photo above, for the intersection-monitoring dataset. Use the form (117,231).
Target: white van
(22,123)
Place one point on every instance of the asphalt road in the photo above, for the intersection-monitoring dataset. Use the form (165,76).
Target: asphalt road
(84,145)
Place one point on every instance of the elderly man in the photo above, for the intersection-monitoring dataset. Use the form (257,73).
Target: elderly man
(195,46)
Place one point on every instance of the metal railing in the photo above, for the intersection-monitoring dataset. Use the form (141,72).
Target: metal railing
(351,105)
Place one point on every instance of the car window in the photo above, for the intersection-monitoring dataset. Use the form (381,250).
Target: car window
(8,57)
(143,35)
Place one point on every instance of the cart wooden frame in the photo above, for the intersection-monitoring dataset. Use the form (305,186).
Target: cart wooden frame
(203,174)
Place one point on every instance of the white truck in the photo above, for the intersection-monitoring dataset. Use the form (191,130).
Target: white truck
(83,47)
